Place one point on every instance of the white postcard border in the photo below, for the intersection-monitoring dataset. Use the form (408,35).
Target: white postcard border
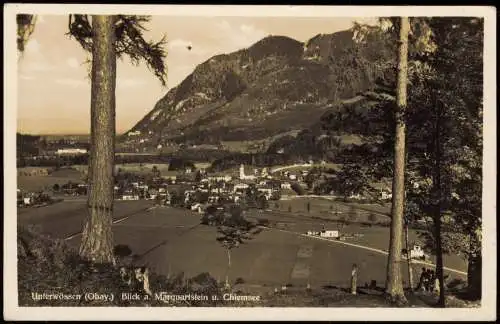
(487,310)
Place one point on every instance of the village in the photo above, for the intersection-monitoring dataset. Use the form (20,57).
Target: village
(190,187)
(196,187)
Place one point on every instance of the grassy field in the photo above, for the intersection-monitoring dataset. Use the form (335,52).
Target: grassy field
(40,182)
(171,241)
(323,207)
(247,146)
(144,168)
(373,236)
(273,258)
(147,167)
(47,265)
(334,166)
(66,218)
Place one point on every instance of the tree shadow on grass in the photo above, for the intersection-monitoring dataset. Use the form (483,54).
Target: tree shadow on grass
(329,287)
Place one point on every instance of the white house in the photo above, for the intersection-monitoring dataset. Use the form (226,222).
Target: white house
(417,252)
(286,185)
(130,197)
(329,234)
(355,196)
(267,192)
(225,178)
(134,133)
(385,195)
(71,151)
(240,186)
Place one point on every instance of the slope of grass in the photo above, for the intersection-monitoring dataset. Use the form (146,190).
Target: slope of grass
(47,266)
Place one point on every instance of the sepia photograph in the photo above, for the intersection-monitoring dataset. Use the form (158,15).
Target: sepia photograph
(249,162)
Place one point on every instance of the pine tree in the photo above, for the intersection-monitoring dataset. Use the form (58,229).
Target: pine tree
(394,284)
(106,38)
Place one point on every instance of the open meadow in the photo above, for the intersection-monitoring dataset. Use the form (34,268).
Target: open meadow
(46,180)
(333,209)
(171,240)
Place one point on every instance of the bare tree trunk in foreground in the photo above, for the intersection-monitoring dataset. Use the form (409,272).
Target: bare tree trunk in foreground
(97,239)
(394,284)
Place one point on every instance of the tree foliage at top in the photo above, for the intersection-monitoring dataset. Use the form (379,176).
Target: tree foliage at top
(25,27)
(130,39)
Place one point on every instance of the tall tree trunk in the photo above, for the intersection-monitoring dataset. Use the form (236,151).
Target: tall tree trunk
(97,238)
(437,215)
(394,284)
(474,268)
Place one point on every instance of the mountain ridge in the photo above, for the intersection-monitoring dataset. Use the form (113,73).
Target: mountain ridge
(276,85)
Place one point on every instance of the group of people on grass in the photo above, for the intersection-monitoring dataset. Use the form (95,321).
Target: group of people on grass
(428,280)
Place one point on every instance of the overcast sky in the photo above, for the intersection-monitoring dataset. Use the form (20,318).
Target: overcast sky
(54,92)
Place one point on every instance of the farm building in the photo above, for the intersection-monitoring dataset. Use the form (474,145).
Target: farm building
(333,234)
(71,151)
(130,197)
(324,233)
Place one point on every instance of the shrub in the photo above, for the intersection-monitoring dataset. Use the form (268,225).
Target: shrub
(298,189)
(262,202)
(263,222)
(176,164)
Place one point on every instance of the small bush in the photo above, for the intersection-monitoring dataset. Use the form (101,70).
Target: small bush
(122,250)
(263,222)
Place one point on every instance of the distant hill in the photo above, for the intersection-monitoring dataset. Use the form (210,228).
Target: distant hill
(275,86)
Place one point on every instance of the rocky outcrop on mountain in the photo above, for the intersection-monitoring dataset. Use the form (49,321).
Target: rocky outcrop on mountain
(275,86)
